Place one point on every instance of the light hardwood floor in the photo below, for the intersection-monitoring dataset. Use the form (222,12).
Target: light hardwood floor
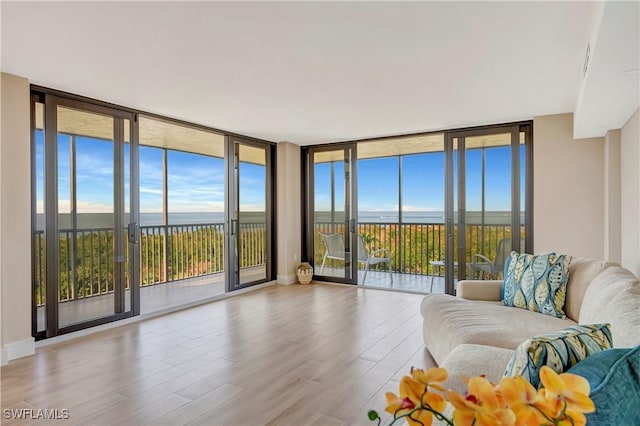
(284,355)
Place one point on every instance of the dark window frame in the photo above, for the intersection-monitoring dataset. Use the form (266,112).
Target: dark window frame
(525,126)
(39,94)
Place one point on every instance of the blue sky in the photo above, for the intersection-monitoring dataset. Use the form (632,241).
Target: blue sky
(422,182)
(196,182)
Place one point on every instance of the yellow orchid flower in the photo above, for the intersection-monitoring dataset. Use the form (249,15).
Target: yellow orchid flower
(414,394)
(514,402)
(528,406)
(573,418)
(410,395)
(432,377)
(481,406)
(420,418)
(567,388)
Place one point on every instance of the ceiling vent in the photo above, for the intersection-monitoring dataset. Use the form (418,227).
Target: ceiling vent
(586,61)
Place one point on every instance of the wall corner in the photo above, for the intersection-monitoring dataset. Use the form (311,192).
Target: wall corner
(612,206)
(289,207)
(15,217)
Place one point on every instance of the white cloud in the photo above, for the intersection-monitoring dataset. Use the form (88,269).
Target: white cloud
(64,206)
(422,209)
(144,208)
(189,206)
(147,190)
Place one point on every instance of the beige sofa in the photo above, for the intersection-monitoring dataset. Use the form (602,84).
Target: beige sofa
(474,334)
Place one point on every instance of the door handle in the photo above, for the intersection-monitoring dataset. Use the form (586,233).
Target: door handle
(352,225)
(233,226)
(449,227)
(132,232)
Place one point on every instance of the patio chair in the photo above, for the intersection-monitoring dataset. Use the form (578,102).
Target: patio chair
(334,248)
(482,265)
(373,258)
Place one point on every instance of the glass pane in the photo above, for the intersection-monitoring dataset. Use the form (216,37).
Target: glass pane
(488,195)
(167,135)
(378,185)
(39,236)
(86,216)
(151,186)
(252,215)
(195,185)
(401,211)
(423,232)
(182,247)
(331,255)
(378,216)
(523,186)
(127,214)
(64,181)
(456,205)
(94,183)
(474,217)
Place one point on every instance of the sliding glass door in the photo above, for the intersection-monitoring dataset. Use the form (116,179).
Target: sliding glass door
(434,208)
(182,208)
(401,212)
(88,195)
(332,239)
(488,201)
(136,214)
(250,215)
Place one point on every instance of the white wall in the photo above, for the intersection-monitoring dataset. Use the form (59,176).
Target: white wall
(612,213)
(3,355)
(289,212)
(15,222)
(630,193)
(568,189)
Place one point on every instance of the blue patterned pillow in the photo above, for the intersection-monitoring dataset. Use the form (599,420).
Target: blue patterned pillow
(614,377)
(537,283)
(559,351)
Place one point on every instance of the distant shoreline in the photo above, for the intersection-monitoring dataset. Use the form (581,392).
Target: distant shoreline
(98,220)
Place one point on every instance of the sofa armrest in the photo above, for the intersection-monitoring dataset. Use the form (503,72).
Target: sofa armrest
(487,290)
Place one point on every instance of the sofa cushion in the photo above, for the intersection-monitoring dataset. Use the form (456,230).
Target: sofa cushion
(614,297)
(536,282)
(560,350)
(614,377)
(450,321)
(471,360)
(582,271)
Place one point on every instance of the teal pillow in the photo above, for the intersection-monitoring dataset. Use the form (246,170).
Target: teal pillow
(559,351)
(536,282)
(614,377)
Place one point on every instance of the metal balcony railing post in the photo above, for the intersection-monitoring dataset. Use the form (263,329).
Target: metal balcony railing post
(165,254)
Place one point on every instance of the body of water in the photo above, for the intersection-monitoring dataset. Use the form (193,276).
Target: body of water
(105,220)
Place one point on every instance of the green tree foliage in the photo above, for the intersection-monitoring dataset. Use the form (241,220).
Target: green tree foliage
(177,252)
(87,262)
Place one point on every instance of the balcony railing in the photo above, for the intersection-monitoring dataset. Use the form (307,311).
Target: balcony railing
(175,252)
(414,245)
(167,253)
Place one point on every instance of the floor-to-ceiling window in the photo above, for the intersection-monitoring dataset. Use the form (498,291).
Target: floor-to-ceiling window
(250,242)
(83,261)
(490,198)
(330,210)
(132,213)
(401,206)
(433,208)
(182,214)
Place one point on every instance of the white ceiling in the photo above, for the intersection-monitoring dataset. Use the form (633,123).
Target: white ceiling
(309,72)
(610,92)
